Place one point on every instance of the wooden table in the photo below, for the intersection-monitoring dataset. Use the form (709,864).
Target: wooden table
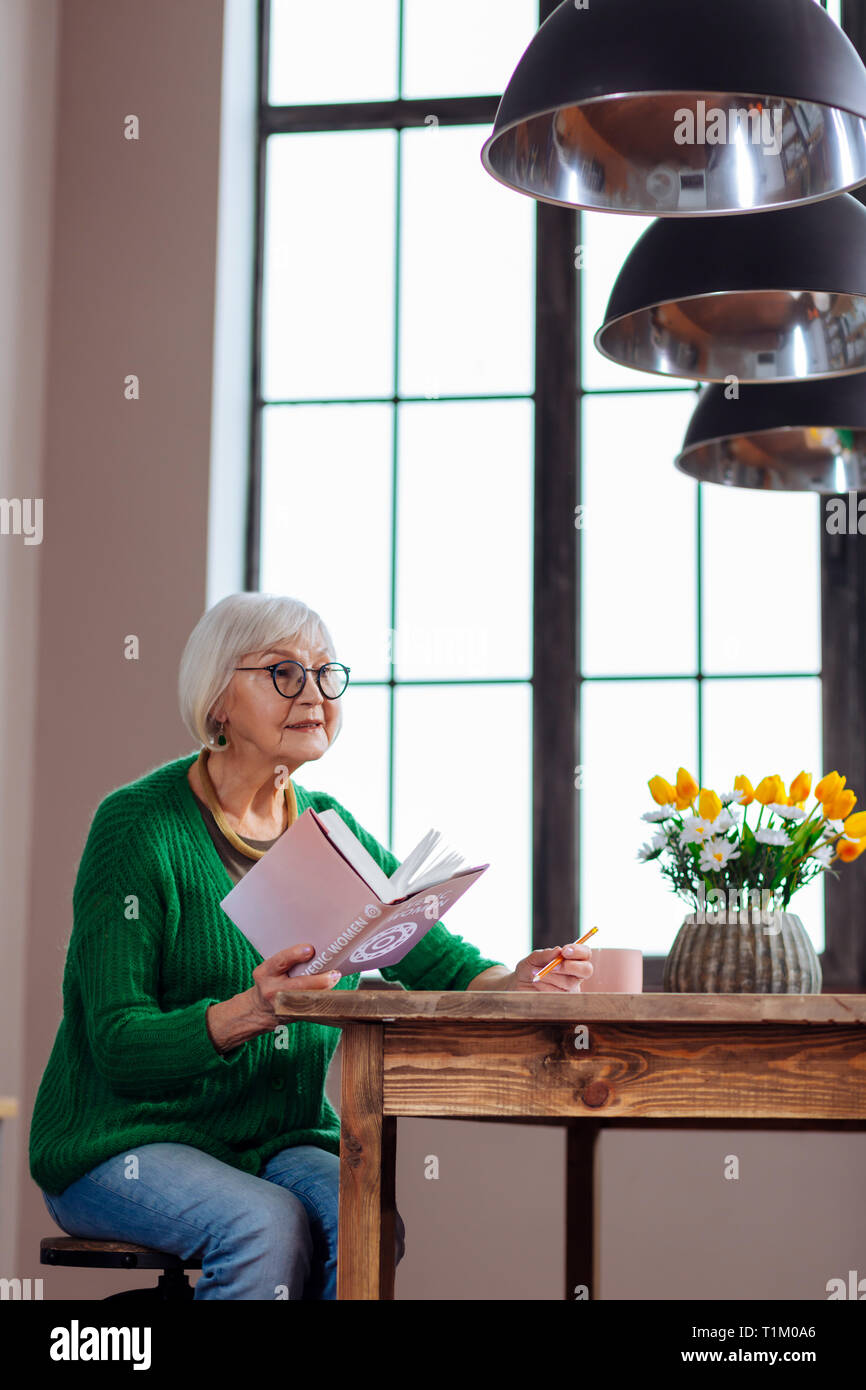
(690,1060)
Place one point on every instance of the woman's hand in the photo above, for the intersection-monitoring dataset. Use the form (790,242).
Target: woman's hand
(271,978)
(566,976)
(248,1014)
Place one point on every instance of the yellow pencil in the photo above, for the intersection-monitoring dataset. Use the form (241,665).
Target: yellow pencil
(540,974)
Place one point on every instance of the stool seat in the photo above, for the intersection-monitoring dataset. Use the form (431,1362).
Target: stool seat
(109,1254)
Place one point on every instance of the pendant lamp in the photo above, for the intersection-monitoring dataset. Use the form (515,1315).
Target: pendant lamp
(775,296)
(683,108)
(793,437)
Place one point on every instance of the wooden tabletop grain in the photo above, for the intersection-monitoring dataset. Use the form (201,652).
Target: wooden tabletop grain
(486,1006)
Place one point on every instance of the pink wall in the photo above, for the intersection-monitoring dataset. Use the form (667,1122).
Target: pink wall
(126,481)
(125,235)
(28,77)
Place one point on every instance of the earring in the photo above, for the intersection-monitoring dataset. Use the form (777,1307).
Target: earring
(222,740)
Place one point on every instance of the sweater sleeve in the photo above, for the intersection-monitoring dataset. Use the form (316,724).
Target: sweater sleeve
(119,914)
(441,960)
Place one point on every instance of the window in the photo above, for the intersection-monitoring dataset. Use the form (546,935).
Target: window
(691,651)
(429,412)
(394,451)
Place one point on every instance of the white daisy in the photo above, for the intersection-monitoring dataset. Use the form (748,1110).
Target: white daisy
(724,820)
(716,853)
(695,830)
(786,812)
(831,829)
(823,854)
(663,813)
(771,837)
(735,796)
(645,851)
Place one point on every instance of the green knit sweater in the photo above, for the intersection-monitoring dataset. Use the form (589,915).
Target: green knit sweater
(150,949)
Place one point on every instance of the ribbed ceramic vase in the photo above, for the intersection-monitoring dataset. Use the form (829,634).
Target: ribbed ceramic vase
(717,956)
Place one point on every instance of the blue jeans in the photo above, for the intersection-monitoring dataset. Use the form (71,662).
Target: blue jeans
(267,1237)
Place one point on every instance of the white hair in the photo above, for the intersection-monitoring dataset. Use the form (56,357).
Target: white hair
(238,624)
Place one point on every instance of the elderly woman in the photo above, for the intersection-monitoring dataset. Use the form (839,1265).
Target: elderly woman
(171,1111)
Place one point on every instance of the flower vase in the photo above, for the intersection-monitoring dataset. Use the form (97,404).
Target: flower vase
(770,955)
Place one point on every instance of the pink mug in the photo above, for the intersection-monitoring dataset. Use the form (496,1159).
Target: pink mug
(615,970)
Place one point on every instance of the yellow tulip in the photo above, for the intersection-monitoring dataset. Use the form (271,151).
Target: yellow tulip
(855,826)
(682,803)
(769,789)
(848,852)
(687,787)
(841,806)
(828,787)
(709,804)
(800,788)
(742,784)
(661,791)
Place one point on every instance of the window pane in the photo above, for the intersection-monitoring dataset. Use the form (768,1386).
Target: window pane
(606,240)
(637,537)
(451,48)
(759,727)
(482,804)
(762,584)
(630,731)
(464,554)
(355,767)
(341,51)
(326,520)
(328,326)
(467,274)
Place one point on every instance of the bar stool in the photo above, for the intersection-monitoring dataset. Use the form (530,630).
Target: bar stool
(171,1287)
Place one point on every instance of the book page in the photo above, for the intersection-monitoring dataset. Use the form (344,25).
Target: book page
(430,862)
(351,848)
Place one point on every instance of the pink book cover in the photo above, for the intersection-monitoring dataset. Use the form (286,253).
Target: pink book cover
(303,889)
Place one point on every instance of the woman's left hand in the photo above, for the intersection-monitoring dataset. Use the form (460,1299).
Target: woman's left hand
(567,975)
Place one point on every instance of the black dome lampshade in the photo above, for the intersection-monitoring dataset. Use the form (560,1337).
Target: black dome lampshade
(772,296)
(793,437)
(682,108)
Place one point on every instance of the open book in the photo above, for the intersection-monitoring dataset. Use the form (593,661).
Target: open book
(318,883)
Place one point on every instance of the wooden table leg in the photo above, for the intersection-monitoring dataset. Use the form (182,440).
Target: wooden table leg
(580,1233)
(368,1143)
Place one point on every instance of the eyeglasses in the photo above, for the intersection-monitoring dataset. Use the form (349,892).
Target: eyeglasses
(290,677)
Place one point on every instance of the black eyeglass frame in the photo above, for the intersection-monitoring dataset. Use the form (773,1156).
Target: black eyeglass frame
(305,669)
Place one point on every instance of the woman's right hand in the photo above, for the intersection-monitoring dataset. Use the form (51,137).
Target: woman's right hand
(246,1015)
(271,977)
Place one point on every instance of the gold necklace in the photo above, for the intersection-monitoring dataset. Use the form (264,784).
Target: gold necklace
(216,809)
